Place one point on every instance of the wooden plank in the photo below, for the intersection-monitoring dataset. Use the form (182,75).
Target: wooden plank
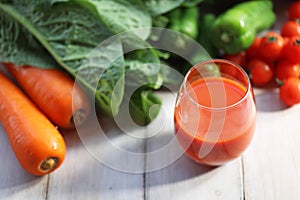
(15,182)
(183,178)
(84,175)
(272,163)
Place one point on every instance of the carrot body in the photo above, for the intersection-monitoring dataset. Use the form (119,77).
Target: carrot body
(54,92)
(37,144)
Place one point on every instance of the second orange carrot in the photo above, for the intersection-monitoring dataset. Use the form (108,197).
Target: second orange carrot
(54,92)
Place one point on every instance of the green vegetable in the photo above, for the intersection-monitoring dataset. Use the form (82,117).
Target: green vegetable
(66,34)
(235,29)
(19,46)
(142,68)
(191,3)
(59,36)
(120,15)
(185,20)
(69,40)
(205,29)
(183,28)
(144,106)
(158,7)
(189,21)
(175,18)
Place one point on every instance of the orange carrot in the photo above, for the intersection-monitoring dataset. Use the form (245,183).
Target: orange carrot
(37,144)
(54,92)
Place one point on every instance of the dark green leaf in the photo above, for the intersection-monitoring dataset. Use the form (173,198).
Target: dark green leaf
(141,61)
(121,15)
(144,106)
(69,39)
(159,7)
(170,76)
(142,69)
(191,3)
(17,45)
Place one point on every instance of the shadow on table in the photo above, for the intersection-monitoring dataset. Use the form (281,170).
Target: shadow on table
(183,168)
(269,102)
(162,160)
(18,178)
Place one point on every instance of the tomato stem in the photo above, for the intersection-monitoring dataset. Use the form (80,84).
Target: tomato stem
(297,41)
(272,39)
(279,82)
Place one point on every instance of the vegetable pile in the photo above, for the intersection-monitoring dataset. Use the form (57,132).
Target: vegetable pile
(46,45)
(61,34)
(66,34)
(235,29)
(107,50)
(274,57)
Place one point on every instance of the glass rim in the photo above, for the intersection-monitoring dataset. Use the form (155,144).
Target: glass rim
(243,72)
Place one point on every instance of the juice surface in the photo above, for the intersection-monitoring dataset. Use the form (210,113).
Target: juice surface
(214,136)
(216,92)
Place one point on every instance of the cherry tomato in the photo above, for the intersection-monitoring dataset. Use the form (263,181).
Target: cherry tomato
(286,69)
(252,51)
(290,91)
(261,72)
(271,46)
(286,40)
(239,58)
(291,50)
(290,28)
(294,10)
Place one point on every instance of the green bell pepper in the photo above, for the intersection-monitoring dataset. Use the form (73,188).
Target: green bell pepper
(204,37)
(189,22)
(235,29)
(184,20)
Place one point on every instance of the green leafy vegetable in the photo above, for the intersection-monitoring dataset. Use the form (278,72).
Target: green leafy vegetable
(19,46)
(105,45)
(69,40)
(159,7)
(144,106)
(191,3)
(121,15)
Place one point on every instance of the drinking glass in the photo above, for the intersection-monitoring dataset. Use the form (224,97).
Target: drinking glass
(215,112)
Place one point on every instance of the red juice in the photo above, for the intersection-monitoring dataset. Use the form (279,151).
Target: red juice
(215,120)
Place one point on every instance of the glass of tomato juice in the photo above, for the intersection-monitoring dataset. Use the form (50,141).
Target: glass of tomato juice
(215,112)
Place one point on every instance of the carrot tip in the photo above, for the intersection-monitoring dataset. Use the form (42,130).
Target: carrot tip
(48,164)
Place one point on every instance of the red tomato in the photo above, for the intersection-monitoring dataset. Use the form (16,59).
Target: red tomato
(290,91)
(286,69)
(239,58)
(252,51)
(261,72)
(271,46)
(290,28)
(294,10)
(291,50)
(286,40)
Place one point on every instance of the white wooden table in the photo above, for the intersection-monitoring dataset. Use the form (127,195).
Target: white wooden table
(268,170)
